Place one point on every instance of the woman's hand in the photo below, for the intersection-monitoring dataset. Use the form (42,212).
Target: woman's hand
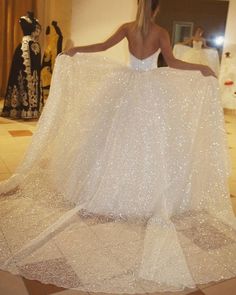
(206,71)
(70,52)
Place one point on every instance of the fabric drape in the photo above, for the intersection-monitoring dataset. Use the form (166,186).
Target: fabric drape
(124,188)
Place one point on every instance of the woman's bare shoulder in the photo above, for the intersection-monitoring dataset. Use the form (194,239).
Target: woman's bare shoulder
(127,27)
(129,24)
(160,30)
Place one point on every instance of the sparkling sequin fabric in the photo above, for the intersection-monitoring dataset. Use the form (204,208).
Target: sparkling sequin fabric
(124,187)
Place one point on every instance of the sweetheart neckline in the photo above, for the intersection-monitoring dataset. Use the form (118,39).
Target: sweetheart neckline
(158,51)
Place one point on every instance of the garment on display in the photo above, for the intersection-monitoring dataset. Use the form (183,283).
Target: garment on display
(23,97)
(53,48)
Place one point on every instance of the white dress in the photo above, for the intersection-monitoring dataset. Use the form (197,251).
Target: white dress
(198,55)
(124,187)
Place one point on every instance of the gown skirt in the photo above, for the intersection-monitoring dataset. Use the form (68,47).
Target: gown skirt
(124,188)
(198,55)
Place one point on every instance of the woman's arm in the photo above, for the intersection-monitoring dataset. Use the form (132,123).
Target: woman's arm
(204,45)
(176,63)
(119,35)
(187,42)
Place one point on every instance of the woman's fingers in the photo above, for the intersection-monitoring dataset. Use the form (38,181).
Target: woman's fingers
(206,71)
(70,52)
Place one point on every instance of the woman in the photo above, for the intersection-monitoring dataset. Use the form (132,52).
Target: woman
(145,38)
(123,189)
(197,38)
(198,52)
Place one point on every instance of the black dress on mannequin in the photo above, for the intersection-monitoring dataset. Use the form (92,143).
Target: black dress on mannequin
(23,97)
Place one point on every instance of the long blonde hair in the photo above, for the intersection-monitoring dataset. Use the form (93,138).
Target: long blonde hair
(144,14)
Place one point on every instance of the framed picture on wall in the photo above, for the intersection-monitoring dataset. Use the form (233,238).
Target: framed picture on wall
(181,31)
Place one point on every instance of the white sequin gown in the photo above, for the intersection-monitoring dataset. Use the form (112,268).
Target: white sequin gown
(196,54)
(199,55)
(124,187)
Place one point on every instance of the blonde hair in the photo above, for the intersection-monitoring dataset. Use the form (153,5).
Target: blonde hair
(144,14)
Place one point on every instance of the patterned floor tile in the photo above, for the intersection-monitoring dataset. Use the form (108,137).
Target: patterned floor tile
(12,160)
(196,292)
(199,292)
(3,167)
(72,292)
(11,285)
(233,201)
(17,133)
(5,174)
(5,122)
(100,293)
(36,288)
(232,186)
(226,288)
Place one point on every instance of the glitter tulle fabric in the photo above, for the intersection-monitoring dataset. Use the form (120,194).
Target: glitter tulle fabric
(196,54)
(199,55)
(124,187)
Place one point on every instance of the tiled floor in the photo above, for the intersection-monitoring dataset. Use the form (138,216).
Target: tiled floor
(15,137)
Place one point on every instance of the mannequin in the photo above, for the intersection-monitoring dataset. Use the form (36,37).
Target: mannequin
(23,97)
(53,48)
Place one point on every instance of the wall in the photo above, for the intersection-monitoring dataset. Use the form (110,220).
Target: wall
(59,10)
(230,35)
(209,14)
(89,21)
(228,65)
(95,20)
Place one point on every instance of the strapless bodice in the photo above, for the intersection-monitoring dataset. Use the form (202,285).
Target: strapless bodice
(145,64)
(197,44)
